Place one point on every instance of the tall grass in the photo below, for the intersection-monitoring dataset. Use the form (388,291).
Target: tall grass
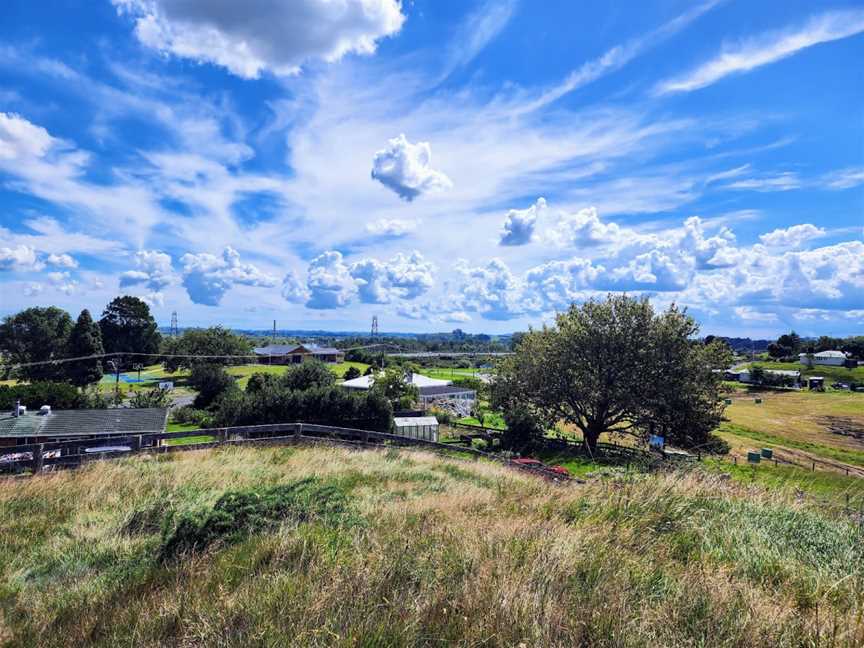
(437,552)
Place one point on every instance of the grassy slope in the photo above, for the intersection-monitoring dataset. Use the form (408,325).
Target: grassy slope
(434,552)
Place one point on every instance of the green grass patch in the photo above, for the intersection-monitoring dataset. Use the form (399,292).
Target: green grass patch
(831,374)
(201,438)
(238,513)
(855,457)
(826,484)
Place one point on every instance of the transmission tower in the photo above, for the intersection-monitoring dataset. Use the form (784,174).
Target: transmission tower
(174,328)
(374,327)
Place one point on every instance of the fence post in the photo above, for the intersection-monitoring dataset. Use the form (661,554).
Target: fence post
(136,443)
(38,458)
(813,466)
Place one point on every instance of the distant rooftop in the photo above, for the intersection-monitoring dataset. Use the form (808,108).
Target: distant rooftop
(286,349)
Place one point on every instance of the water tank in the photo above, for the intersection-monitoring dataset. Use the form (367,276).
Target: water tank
(753,457)
(768,453)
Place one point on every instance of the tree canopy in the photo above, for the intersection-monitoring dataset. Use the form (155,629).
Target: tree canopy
(85,339)
(35,335)
(213,341)
(616,366)
(128,327)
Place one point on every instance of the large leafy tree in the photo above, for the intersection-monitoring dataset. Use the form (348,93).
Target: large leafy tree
(85,340)
(213,341)
(128,327)
(36,335)
(614,366)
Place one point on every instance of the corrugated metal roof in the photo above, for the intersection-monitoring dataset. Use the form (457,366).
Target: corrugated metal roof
(63,423)
(286,349)
(413,421)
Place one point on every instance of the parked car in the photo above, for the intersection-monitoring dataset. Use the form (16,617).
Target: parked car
(534,463)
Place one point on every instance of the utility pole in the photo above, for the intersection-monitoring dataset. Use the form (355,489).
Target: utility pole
(138,366)
(115,367)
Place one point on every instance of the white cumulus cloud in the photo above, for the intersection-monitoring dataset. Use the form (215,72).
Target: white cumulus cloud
(520,223)
(256,35)
(792,237)
(392,227)
(20,258)
(207,277)
(153,270)
(406,168)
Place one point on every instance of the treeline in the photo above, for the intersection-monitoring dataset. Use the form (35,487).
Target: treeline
(304,393)
(42,335)
(789,345)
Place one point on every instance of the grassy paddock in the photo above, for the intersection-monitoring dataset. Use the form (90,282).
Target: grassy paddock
(831,374)
(421,550)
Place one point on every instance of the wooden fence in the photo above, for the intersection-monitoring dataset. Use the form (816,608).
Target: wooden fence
(37,457)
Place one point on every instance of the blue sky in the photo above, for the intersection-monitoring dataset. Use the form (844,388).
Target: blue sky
(437,163)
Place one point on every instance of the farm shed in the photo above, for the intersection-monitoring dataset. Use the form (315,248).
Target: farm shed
(417,427)
(428,395)
(830,358)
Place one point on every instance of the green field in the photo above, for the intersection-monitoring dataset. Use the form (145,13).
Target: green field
(831,374)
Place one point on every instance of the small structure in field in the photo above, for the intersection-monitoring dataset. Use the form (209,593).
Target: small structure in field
(417,427)
(283,354)
(816,383)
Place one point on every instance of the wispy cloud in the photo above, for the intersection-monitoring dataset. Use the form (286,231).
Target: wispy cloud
(618,56)
(478,30)
(767,48)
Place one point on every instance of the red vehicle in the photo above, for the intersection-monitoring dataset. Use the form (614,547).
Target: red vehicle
(534,463)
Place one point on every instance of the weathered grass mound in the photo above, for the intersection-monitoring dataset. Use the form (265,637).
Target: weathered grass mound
(333,547)
(238,513)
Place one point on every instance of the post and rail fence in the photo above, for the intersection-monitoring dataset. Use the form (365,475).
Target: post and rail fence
(38,457)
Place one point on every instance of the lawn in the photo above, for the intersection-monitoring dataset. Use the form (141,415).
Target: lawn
(451,373)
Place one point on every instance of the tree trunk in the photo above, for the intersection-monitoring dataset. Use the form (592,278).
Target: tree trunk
(591,435)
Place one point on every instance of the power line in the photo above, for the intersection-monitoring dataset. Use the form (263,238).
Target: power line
(99,356)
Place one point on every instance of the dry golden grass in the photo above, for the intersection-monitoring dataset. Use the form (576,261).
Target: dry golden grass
(436,552)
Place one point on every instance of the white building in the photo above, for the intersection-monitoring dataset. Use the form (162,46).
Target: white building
(430,390)
(833,358)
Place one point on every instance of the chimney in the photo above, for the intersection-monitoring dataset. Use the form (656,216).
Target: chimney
(17,408)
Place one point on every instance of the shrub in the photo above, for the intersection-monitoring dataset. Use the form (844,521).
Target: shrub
(716,445)
(210,381)
(522,429)
(58,395)
(189,414)
(307,375)
(238,513)
(352,373)
(155,397)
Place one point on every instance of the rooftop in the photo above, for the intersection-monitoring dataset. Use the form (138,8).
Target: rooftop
(285,349)
(414,421)
(64,423)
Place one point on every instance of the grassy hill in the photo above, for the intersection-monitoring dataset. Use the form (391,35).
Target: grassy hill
(331,547)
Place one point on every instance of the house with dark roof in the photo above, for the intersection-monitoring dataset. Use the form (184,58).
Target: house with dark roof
(65,425)
(296,353)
